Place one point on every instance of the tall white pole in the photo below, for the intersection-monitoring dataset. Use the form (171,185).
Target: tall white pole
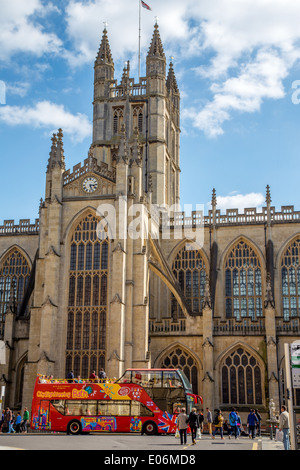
(289,391)
(140,16)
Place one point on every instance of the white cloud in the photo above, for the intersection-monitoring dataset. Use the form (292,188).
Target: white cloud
(258,80)
(48,116)
(18,32)
(252,46)
(18,89)
(248,47)
(240,201)
(85,26)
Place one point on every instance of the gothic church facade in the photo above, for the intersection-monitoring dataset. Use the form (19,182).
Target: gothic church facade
(76,293)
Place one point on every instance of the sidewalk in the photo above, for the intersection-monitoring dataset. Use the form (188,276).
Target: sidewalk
(265,443)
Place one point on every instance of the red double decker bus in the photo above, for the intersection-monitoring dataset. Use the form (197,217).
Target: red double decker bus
(142,400)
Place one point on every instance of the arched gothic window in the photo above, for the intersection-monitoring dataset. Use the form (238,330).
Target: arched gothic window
(87,305)
(241,379)
(138,118)
(190,271)
(117,120)
(290,280)
(180,359)
(243,282)
(14,276)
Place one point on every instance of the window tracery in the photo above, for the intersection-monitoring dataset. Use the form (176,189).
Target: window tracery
(190,271)
(243,282)
(241,379)
(14,277)
(118,117)
(290,280)
(180,359)
(138,118)
(87,300)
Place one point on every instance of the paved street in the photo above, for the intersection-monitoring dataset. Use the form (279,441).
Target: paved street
(129,442)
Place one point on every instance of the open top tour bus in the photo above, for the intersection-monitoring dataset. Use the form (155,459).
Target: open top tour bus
(142,400)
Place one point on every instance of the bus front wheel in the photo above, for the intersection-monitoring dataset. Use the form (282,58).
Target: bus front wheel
(74,428)
(149,428)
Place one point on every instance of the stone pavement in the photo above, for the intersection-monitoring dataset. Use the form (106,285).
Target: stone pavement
(265,443)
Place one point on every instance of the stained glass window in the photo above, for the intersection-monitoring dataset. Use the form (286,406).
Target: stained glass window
(243,282)
(180,359)
(290,280)
(241,379)
(14,277)
(87,309)
(190,271)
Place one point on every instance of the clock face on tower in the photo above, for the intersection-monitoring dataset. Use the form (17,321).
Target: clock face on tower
(90,184)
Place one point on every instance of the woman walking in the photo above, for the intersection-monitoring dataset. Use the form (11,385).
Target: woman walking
(219,420)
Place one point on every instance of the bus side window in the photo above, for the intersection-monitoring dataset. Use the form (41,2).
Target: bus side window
(91,408)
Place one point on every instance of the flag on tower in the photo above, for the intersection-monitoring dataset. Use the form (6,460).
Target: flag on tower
(145,5)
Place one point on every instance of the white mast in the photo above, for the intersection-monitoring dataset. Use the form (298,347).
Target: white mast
(140,16)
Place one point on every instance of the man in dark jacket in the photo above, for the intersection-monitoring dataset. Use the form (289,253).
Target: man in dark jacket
(194,424)
(252,422)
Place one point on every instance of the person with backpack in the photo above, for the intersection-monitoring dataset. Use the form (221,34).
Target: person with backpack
(194,424)
(252,422)
(218,422)
(233,420)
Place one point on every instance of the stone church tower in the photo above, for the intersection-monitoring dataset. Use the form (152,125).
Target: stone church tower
(89,307)
(107,277)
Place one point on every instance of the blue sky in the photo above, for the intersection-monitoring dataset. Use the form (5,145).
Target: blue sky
(235,60)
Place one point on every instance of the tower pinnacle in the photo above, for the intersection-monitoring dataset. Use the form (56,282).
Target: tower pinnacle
(104,54)
(156,47)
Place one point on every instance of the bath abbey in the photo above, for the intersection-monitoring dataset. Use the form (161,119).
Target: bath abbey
(111,275)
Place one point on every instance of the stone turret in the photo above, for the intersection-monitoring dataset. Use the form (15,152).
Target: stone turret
(56,167)
(104,66)
(103,76)
(156,65)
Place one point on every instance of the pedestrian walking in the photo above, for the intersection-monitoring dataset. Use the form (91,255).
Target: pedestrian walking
(182,425)
(193,421)
(258,426)
(2,420)
(7,422)
(18,422)
(239,424)
(218,422)
(201,421)
(284,426)
(209,421)
(25,420)
(233,420)
(252,422)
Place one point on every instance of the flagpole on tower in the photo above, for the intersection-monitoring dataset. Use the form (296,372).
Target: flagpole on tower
(140,15)
(144,5)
